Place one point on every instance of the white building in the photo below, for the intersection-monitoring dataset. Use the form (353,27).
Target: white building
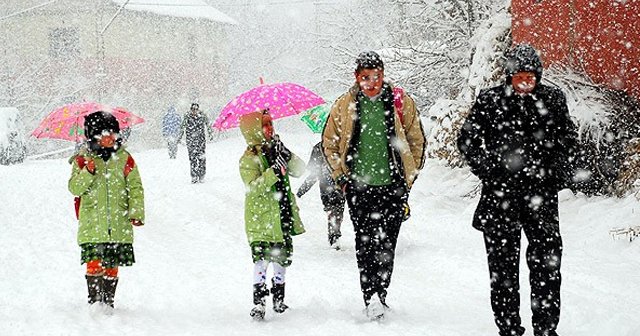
(145,56)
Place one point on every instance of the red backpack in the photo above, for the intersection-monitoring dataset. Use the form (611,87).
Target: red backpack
(398,96)
(80,160)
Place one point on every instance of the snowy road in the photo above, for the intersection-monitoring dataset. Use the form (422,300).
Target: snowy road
(193,270)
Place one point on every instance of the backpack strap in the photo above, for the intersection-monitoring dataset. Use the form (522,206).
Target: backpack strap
(128,167)
(81,162)
(398,96)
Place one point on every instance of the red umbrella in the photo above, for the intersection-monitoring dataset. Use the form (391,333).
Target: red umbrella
(67,122)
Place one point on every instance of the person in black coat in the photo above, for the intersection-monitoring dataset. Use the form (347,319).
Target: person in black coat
(519,141)
(331,196)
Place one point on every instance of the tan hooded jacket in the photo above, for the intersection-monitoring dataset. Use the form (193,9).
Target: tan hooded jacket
(336,137)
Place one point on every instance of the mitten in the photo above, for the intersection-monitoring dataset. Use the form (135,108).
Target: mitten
(280,165)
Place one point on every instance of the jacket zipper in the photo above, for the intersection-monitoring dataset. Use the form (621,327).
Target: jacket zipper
(108,205)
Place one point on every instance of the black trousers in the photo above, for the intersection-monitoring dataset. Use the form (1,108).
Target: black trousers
(376,213)
(334,208)
(537,216)
(198,162)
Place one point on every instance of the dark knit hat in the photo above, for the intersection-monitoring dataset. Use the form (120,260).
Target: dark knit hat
(369,60)
(523,57)
(97,122)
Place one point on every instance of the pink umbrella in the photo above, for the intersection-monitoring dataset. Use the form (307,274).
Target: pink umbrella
(282,100)
(67,122)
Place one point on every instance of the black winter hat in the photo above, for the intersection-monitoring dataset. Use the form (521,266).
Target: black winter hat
(97,122)
(523,57)
(369,60)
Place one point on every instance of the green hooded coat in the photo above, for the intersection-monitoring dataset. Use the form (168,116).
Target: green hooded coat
(109,200)
(262,208)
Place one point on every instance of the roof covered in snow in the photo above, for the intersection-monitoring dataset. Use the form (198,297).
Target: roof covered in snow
(178,8)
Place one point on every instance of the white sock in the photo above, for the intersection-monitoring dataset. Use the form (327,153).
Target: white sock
(260,272)
(278,273)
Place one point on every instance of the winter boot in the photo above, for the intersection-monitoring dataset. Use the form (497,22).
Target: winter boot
(278,298)
(374,309)
(94,285)
(109,287)
(260,292)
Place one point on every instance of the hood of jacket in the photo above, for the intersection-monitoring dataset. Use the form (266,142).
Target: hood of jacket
(251,128)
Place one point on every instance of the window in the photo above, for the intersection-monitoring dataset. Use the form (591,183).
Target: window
(64,42)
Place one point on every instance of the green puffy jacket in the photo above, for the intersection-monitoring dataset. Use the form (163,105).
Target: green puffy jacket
(262,209)
(109,200)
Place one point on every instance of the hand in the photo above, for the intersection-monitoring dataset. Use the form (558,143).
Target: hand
(136,222)
(342,181)
(91,166)
(280,149)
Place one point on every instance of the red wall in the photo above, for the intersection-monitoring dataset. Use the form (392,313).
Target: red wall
(599,36)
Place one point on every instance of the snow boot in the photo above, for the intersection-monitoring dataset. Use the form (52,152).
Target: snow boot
(94,286)
(374,309)
(109,293)
(278,298)
(260,292)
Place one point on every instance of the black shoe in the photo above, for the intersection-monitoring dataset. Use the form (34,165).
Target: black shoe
(260,292)
(278,298)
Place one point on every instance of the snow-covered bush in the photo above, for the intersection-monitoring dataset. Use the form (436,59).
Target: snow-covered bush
(489,43)
(12,145)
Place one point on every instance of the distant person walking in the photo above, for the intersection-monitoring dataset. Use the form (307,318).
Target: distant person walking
(330,194)
(171,130)
(196,126)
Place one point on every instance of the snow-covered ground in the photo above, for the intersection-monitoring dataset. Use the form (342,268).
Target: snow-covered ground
(193,270)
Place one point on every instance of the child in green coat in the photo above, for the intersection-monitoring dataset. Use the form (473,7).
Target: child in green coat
(109,202)
(271,214)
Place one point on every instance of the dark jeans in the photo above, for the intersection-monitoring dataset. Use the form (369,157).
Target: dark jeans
(502,242)
(198,163)
(376,213)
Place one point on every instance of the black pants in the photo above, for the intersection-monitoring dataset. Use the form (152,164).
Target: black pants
(538,217)
(334,207)
(376,213)
(198,163)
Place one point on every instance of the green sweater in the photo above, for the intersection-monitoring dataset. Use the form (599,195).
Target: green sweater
(371,166)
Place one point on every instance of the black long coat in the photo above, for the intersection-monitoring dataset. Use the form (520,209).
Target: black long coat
(519,146)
